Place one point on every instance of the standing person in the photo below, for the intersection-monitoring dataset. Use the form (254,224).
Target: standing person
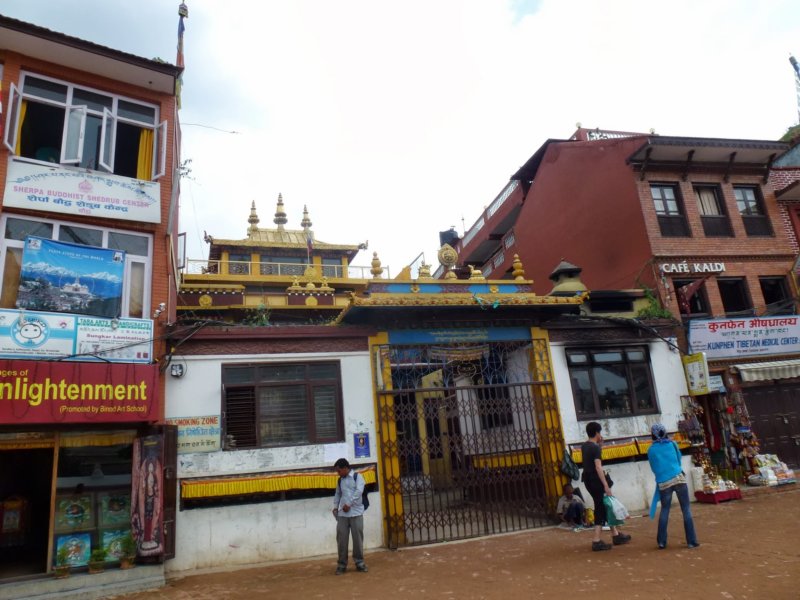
(664,457)
(595,480)
(349,512)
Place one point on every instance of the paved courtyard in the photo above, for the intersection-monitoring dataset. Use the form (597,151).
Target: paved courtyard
(750,550)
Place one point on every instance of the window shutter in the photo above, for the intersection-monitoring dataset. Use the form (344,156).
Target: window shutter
(240,418)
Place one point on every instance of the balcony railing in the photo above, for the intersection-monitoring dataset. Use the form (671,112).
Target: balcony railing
(233,267)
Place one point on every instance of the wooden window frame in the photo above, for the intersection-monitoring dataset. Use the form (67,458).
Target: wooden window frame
(598,412)
(246,393)
(671,223)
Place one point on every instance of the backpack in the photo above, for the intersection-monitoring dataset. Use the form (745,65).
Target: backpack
(364,496)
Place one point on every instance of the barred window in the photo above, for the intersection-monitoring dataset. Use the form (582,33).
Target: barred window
(611,382)
(281,404)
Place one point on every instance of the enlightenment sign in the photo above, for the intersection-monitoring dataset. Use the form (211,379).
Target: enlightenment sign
(751,336)
(63,392)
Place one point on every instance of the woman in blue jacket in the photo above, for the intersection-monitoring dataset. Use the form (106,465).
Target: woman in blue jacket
(665,462)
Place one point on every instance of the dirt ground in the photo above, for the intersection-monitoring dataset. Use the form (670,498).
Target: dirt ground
(750,549)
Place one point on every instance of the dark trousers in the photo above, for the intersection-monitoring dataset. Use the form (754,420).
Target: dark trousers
(345,528)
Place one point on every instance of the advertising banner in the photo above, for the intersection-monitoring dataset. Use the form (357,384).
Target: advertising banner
(40,335)
(76,192)
(72,392)
(751,336)
(695,367)
(197,434)
(71,278)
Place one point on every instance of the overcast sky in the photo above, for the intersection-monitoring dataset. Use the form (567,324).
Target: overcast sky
(392,121)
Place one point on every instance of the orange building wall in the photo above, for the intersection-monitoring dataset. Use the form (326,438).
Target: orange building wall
(161,290)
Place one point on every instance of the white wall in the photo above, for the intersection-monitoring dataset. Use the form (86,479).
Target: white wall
(633,481)
(235,535)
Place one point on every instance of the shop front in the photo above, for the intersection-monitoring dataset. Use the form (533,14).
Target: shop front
(749,411)
(81,464)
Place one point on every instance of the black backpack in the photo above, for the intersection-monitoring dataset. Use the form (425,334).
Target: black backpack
(364,496)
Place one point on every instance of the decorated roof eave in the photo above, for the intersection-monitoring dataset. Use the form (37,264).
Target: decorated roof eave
(446,302)
(267,244)
(196,287)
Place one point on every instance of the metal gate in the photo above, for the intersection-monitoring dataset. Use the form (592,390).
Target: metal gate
(467,436)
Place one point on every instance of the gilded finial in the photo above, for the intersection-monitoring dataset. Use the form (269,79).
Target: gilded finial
(376,269)
(253,219)
(306,222)
(424,271)
(518,273)
(475,274)
(447,258)
(280,214)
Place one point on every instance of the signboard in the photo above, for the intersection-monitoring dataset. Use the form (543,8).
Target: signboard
(197,434)
(72,392)
(693,268)
(695,367)
(751,336)
(76,192)
(41,335)
(71,278)
(467,334)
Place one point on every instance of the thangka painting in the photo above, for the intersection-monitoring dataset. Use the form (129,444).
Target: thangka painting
(112,541)
(114,508)
(74,512)
(79,548)
(62,277)
(147,519)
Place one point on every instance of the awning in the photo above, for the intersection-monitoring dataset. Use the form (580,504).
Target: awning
(764,371)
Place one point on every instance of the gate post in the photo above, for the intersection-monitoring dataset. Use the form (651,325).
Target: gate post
(387,447)
(548,416)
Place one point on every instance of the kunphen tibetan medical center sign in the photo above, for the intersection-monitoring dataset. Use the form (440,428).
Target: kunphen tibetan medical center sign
(752,336)
(70,392)
(76,192)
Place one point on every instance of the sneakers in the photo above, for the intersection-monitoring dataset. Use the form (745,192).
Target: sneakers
(620,539)
(695,545)
(662,546)
(362,568)
(340,570)
(601,545)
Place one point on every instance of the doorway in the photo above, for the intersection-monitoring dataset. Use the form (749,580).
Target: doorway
(25,486)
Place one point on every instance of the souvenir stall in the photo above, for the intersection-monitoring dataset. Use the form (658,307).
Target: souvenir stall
(701,414)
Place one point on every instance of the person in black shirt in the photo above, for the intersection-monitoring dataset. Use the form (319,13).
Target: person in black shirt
(595,480)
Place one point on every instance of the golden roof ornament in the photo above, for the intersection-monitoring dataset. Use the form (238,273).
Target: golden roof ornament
(306,222)
(424,272)
(376,269)
(252,219)
(447,258)
(518,273)
(280,214)
(475,274)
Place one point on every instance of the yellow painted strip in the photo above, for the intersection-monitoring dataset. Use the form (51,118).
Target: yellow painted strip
(266,483)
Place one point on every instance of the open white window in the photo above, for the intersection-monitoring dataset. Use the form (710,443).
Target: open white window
(14,101)
(72,144)
(107,141)
(160,151)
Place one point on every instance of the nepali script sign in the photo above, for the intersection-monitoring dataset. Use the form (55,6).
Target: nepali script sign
(77,192)
(64,392)
(751,336)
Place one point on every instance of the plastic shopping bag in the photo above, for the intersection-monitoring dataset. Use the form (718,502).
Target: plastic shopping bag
(615,511)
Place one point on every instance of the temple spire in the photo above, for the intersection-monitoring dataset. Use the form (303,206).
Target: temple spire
(306,222)
(280,214)
(253,219)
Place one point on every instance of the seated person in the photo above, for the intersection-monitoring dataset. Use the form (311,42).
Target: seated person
(570,507)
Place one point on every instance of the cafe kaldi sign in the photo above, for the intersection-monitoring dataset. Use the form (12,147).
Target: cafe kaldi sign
(73,392)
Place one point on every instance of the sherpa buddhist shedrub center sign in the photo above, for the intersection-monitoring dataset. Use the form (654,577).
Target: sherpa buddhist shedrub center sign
(72,392)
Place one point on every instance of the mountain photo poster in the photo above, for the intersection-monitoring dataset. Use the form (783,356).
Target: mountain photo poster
(70,278)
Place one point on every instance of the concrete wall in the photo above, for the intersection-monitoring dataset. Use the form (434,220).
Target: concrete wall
(251,533)
(633,481)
